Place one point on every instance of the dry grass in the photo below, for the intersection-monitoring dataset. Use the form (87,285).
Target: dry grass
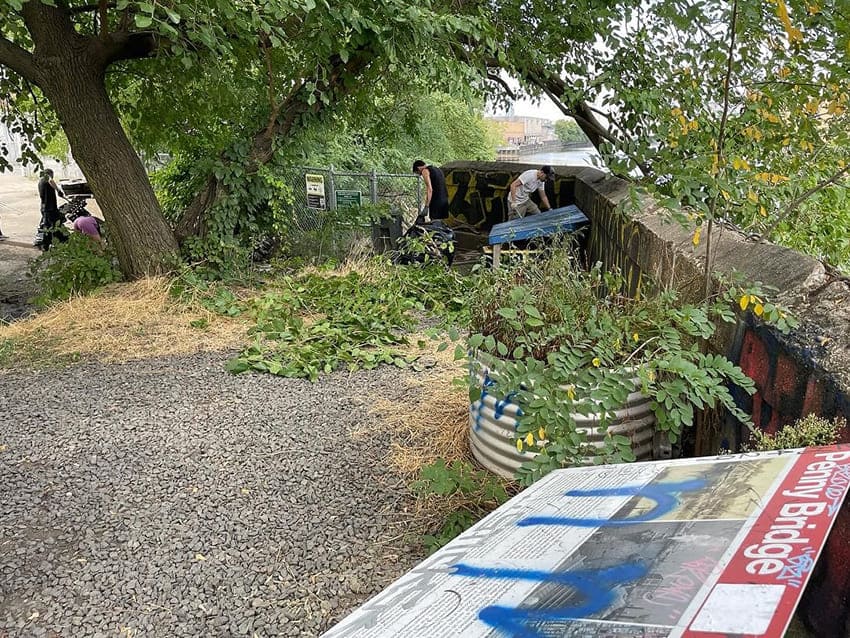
(432,423)
(123,322)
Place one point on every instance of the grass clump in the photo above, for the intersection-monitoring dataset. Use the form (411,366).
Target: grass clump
(119,322)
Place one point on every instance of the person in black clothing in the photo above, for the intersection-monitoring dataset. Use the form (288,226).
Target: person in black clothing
(50,217)
(436,194)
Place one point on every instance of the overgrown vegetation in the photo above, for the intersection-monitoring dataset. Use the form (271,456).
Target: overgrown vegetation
(316,322)
(76,266)
(808,431)
(463,495)
(560,341)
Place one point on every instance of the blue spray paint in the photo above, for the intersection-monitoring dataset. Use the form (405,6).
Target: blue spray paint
(500,407)
(665,496)
(594,586)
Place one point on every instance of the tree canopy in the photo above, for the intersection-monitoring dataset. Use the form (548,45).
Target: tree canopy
(735,110)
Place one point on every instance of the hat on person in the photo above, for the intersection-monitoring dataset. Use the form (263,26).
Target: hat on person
(547,170)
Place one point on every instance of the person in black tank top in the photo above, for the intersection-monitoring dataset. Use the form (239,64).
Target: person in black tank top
(436,193)
(51,219)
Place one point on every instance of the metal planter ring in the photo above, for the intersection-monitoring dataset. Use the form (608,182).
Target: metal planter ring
(493,423)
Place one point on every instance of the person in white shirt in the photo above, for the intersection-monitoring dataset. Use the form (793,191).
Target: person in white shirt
(519,202)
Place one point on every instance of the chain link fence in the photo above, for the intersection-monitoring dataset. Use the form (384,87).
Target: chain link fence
(323,197)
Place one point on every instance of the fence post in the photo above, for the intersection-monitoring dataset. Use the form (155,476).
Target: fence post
(332,186)
(373,186)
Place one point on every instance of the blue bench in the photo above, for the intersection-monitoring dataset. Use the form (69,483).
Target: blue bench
(551,222)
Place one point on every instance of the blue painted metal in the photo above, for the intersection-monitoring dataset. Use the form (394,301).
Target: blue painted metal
(557,220)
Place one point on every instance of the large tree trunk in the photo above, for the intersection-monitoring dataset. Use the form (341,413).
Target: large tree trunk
(137,228)
(70,69)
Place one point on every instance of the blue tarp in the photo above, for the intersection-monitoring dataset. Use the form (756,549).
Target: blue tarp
(557,220)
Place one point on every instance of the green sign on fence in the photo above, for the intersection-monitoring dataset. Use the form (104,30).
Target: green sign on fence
(348,199)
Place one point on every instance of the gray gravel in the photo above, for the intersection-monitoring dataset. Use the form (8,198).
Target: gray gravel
(169,498)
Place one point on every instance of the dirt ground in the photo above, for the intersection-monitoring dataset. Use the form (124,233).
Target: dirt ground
(19,217)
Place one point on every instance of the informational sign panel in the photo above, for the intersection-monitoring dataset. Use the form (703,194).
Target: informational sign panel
(692,547)
(315,191)
(348,199)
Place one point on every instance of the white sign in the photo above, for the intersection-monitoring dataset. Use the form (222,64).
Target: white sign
(686,548)
(315,191)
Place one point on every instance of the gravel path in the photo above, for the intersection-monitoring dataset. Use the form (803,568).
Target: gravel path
(170,498)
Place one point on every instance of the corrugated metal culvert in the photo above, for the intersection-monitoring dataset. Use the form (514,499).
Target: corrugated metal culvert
(493,423)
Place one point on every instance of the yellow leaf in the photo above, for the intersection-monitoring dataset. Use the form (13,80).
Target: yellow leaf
(812,107)
(529,440)
(519,445)
(759,310)
(571,392)
(635,337)
(744,302)
(541,433)
(763,211)
(2,448)
(695,239)
(752,197)
(676,112)
(739,164)
(200,557)
(794,34)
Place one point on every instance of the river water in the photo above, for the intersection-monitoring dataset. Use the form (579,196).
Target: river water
(573,157)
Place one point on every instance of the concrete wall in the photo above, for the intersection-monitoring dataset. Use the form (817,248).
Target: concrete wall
(807,371)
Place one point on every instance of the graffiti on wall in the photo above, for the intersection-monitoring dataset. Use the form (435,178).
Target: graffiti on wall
(479,197)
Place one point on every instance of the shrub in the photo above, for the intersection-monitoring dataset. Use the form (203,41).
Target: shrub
(810,430)
(75,267)
(571,342)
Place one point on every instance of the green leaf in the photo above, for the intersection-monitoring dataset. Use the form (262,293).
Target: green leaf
(237,366)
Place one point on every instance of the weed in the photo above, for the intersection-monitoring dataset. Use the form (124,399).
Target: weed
(810,430)
(75,267)
(467,495)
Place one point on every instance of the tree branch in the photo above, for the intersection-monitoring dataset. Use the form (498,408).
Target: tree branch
(721,139)
(123,45)
(493,77)
(20,61)
(103,18)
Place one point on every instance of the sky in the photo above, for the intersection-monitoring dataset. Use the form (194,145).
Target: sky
(527,107)
(545,108)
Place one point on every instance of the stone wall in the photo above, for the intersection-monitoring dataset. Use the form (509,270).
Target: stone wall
(806,371)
